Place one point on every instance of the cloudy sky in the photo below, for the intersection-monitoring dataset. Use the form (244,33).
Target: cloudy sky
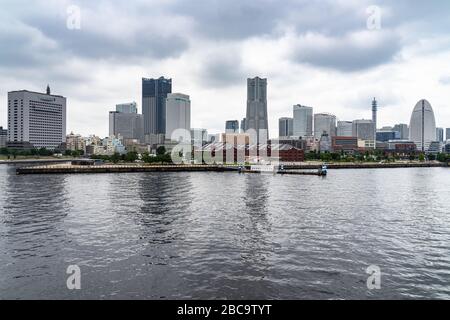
(327,54)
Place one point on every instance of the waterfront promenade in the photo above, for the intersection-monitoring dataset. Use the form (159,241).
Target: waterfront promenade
(66,168)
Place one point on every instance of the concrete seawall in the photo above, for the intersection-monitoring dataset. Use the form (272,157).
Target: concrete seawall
(74,169)
(58,169)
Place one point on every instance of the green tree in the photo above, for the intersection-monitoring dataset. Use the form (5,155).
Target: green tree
(115,157)
(161,151)
(421,157)
(131,156)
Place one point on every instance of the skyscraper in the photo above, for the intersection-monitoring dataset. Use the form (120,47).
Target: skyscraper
(36,120)
(243,121)
(127,107)
(178,117)
(303,121)
(344,129)
(422,128)
(128,125)
(374,115)
(324,123)
(440,134)
(447,134)
(285,127)
(154,94)
(232,126)
(256,118)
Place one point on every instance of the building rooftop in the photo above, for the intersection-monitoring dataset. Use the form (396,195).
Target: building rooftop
(41,93)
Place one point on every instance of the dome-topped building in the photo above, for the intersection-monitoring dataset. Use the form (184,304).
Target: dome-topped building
(423,125)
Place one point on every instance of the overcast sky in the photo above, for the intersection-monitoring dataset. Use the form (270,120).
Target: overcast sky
(316,53)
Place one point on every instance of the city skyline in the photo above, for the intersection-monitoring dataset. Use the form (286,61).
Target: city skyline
(95,68)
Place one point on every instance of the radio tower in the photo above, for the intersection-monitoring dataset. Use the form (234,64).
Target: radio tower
(374,118)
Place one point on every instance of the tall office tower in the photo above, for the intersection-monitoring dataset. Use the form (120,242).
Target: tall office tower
(243,121)
(364,130)
(130,126)
(154,94)
(178,117)
(256,118)
(303,121)
(127,107)
(447,134)
(403,129)
(374,115)
(285,127)
(324,123)
(422,128)
(232,126)
(3,137)
(344,129)
(36,120)
(440,134)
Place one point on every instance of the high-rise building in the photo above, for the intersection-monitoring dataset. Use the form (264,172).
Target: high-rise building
(243,121)
(324,123)
(232,126)
(422,128)
(374,116)
(154,94)
(403,129)
(256,118)
(127,107)
(440,134)
(199,137)
(364,130)
(178,117)
(447,134)
(3,137)
(344,129)
(36,120)
(285,127)
(129,126)
(303,121)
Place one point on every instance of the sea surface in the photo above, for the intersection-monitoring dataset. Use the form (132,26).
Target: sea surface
(225,235)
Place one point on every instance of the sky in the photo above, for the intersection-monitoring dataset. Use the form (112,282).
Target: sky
(332,55)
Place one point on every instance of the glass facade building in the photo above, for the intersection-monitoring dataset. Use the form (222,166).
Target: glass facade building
(154,94)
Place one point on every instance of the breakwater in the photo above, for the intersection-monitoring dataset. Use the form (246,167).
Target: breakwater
(122,168)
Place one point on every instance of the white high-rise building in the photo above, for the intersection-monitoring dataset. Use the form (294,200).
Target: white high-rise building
(303,121)
(178,117)
(36,120)
(344,129)
(422,128)
(324,123)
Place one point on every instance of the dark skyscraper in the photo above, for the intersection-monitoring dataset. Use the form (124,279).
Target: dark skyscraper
(154,94)
(256,118)
(232,126)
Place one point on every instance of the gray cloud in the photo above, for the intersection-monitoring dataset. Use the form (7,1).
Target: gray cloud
(350,53)
(221,68)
